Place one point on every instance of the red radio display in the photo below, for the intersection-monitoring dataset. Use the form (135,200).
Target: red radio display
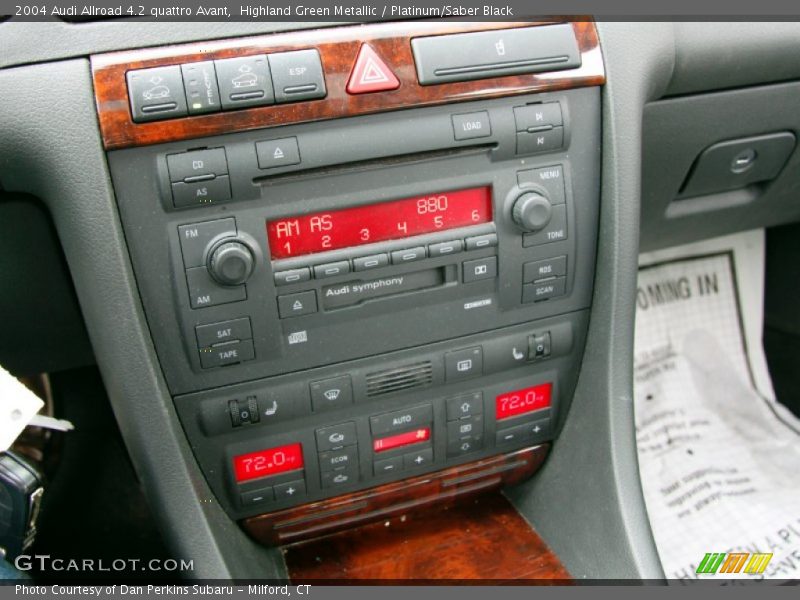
(331,230)
(423,434)
(268,462)
(523,401)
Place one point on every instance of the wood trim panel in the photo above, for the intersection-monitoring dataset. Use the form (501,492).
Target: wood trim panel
(393,500)
(338,48)
(483,541)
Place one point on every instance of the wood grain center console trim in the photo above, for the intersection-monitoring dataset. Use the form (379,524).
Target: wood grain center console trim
(338,49)
(442,488)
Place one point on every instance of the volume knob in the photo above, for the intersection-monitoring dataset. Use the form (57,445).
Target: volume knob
(532,211)
(231,263)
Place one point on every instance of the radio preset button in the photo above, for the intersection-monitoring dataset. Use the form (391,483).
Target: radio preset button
(471,126)
(204,291)
(375,261)
(463,364)
(336,436)
(196,237)
(291,276)
(294,305)
(224,331)
(477,242)
(544,269)
(401,420)
(331,393)
(483,268)
(278,153)
(445,248)
(408,255)
(331,269)
(229,353)
(535,292)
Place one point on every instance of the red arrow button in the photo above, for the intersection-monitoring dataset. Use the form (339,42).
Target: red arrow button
(370,74)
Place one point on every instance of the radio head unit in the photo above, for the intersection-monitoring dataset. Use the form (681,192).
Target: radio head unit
(345,303)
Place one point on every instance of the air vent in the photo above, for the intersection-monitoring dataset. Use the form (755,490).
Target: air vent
(407,377)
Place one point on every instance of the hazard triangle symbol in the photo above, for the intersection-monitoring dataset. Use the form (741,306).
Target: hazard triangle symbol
(370,74)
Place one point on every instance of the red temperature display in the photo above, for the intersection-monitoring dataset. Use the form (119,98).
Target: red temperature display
(423,434)
(319,232)
(268,462)
(523,401)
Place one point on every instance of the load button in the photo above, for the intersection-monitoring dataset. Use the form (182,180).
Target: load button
(471,126)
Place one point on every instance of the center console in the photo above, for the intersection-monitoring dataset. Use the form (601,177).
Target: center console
(360,266)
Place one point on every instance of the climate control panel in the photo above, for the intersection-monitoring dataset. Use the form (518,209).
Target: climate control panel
(281,442)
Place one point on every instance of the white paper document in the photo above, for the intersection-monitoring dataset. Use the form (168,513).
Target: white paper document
(718,456)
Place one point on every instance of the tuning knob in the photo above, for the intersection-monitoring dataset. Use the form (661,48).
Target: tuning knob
(531,211)
(231,263)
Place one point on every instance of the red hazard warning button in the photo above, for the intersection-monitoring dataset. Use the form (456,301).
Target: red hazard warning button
(370,74)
